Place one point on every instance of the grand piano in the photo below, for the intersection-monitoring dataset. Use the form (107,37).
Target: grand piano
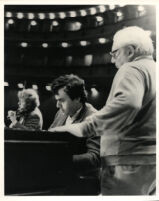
(40,163)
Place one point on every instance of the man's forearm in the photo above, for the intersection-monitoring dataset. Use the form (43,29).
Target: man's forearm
(74,129)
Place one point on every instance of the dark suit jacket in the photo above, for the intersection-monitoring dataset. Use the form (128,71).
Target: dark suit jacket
(91,158)
(33,121)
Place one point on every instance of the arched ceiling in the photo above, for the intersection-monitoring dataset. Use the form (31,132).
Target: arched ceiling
(44,41)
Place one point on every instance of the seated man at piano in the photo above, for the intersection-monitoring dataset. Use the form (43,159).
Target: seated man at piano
(71,96)
(28,116)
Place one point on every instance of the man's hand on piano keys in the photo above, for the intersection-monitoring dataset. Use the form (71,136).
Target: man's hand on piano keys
(73,129)
(57,129)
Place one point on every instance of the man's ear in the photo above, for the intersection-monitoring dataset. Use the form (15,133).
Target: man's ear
(130,51)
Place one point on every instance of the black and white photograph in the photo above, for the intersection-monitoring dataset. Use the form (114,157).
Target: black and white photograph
(79,99)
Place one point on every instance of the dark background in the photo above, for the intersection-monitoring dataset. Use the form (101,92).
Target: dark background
(37,65)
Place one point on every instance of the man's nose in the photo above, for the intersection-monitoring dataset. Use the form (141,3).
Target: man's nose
(58,105)
(112,60)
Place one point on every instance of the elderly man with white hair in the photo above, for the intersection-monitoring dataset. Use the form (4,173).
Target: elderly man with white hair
(127,122)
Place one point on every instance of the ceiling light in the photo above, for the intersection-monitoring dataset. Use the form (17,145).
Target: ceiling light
(44,45)
(6,84)
(31,16)
(93,11)
(119,14)
(83,13)
(88,58)
(62,15)
(24,44)
(83,43)
(64,44)
(141,11)
(51,16)
(102,40)
(41,16)
(48,88)
(73,26)
(8,14)
(102,8)
(34,86)
(10,21)
(55,23)
(20,15)
(33,23)
(72,14)
(141,8)
(20,85)
(99,18)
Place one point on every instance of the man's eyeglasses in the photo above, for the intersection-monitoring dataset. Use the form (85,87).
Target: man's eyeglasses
(113,53)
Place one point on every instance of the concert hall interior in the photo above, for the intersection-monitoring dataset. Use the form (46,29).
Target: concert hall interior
(41,43)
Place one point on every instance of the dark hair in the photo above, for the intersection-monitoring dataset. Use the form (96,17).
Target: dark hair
(74,86)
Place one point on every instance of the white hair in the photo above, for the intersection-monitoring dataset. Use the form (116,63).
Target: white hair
(136,36)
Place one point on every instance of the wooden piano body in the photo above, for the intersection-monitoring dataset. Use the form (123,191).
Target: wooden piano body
(40,163)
